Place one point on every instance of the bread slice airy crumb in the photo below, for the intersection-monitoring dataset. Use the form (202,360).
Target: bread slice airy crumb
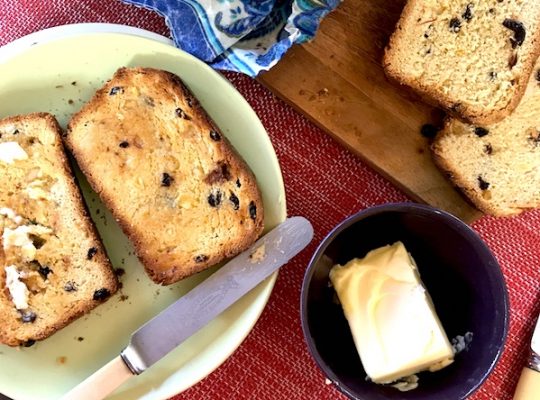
(168,174)
(497,166)
(471,57)
(53,268)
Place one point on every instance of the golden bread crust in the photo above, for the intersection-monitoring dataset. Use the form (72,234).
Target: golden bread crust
(174,183)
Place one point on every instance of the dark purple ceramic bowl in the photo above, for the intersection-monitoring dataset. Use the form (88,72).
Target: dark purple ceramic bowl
(460,273)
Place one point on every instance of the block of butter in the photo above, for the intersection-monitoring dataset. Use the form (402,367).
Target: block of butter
(391,316)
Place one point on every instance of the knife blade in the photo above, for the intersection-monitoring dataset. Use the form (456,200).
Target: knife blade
(194,310)
(528,387)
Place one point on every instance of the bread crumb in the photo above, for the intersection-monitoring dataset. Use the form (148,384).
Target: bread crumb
(327,381)
(323,92)
(61,360)
(258,254)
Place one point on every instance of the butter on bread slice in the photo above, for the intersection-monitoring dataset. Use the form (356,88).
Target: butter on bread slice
(496,166)
(175,184)
(53,268)
(471,57)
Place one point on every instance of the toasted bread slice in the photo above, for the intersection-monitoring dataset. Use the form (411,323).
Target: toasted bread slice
(53,267)
(497,166)
(170,177)
(472,58)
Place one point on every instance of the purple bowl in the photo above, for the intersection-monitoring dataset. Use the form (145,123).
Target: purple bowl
(460,273)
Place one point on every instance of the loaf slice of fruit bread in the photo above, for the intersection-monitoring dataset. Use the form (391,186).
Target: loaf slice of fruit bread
(471,57)
(53,267)
(175,184)
(497,166)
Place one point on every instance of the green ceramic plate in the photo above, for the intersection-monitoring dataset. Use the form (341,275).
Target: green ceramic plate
(59,75)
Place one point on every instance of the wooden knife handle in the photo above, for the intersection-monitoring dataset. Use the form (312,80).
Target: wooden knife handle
(102,382)
(528,387)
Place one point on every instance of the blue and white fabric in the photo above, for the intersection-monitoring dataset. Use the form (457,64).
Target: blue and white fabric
(240,35)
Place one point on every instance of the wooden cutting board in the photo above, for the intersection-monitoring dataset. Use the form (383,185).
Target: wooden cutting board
(338,82)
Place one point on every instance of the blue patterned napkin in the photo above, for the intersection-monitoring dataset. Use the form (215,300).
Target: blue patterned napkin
(247,36)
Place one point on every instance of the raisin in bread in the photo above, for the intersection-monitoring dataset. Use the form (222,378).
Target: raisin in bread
(53,266)
(497,166)
(170,177)
(471,57)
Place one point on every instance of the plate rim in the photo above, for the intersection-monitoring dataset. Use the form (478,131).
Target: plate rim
(20,45)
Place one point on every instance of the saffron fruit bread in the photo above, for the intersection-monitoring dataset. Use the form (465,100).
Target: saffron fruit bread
(53,266)
(497,166)
(471,57)
(181,193)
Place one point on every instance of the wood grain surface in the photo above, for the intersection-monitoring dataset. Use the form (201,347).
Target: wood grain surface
(338,82)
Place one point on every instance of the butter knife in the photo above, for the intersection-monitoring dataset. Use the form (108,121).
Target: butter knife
(528,387)
(194,310)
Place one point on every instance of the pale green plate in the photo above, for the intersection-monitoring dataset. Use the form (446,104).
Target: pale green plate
(59,76)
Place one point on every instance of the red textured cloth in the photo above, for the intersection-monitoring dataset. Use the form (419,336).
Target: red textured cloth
(325,183)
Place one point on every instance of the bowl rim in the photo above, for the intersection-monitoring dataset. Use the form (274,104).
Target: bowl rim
(463,228)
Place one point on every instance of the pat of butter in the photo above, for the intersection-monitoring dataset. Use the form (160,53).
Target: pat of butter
(9,213)
(35,192)
(17,289)
(11,151)
(392,319)
(19,237)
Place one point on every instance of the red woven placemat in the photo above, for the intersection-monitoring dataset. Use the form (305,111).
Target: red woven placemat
(325,183)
